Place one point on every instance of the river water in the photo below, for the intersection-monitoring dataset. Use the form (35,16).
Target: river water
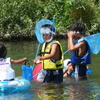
(70,89)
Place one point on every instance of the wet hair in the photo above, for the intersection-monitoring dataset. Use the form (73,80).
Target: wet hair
(77,27)
(3,51)
(51,27)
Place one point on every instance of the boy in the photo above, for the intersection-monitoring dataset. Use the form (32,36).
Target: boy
(80,51)
(51,56)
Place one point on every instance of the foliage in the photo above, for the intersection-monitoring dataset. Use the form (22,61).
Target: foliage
(93,96)
(19,17)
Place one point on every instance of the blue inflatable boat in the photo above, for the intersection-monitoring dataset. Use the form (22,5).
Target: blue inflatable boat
(16,85)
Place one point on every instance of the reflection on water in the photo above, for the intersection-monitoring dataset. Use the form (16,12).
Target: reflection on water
(95,89)
(26,95)
(50,92)
(69,90)
(79,90)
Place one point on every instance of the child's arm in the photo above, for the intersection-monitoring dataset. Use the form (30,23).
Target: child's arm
(67,68)
(71,45)
(18,61)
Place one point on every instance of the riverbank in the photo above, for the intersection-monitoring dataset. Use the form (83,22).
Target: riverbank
(28,38)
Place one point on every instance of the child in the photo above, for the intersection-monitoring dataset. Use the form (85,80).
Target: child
(80,51)
(69,71)
(51,56)
(6,72)
(68,68)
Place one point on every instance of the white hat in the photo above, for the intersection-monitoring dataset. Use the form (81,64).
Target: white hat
(66,61)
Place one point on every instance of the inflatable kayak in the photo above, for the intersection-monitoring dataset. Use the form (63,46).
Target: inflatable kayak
(15,85)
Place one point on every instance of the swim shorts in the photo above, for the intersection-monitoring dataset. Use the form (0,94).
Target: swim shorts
(55,76)
(81,70)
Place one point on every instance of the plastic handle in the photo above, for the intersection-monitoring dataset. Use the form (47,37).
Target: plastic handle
(27,63)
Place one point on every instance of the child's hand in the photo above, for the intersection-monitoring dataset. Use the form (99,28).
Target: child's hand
(70,34)
(37,60)
(34,61)
(25,59)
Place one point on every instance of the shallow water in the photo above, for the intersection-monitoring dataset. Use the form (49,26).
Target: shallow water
(70,89)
